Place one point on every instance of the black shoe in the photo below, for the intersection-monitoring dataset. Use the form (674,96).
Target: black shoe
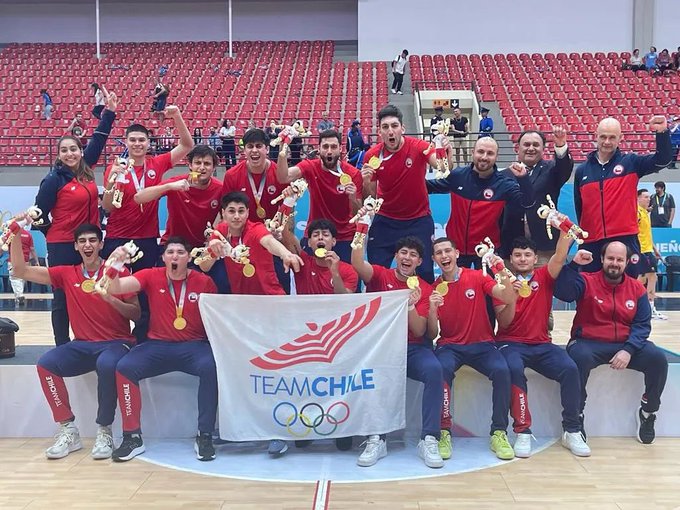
(204,446)
(303,443)
(582,419)
(646,432)
(343,443)
(22,301)
(131,446)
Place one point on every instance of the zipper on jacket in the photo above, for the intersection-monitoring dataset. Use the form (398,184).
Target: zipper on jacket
(89,204)
(467,227)
(616,332)
(604,226)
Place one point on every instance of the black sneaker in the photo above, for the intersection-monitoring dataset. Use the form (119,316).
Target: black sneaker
(204,446)
(343,443)
(131,446)
(646,432)
(582,419)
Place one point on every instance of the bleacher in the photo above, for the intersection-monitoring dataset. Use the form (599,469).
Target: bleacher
(265,81)
(575,90)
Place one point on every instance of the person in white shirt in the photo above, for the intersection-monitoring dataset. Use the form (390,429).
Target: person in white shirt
(99,101)
(398,68)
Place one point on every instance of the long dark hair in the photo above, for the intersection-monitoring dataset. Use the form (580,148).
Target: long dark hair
(83,171)
(95,87)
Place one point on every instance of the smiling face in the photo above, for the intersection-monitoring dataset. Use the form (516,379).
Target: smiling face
(88,246)
(391,133)
(70,152)
(523,260)
(446,256)
(530,149)
(256,155)
(484,155)
(329,152)
(236,215)
(137,144)
(614,261)
(407,260)
(608,137)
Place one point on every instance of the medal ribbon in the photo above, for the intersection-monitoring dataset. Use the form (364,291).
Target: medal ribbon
(138,184)
(257,194)
(179,305)
(382,155)
(86,273)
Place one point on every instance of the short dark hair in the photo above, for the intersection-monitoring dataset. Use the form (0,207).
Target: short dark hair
(412,243)
(87,228)
(330,133)
(200,151)
(254,135)
(139,128)
(405,52)
(629,252)
(322,224)
(443,239)
(390,111)
(177,240)
(642,190)
(235,196)
(660,184)
(523,243)
(530,132)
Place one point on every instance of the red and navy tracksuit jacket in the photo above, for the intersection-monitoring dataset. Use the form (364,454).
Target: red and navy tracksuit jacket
(53,199)
(606,195)
(477,204)
(604,312)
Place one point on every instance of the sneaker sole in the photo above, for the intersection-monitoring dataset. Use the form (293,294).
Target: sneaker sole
(137,451)
(522,455)
(433,465)
(637,420)
(577,454)
(203,459)
(73,448)
(101,456)
(369,464)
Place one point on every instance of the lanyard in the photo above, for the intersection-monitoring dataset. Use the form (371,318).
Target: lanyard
(86,273)
(382,155)
(179,305)
(138,184)
(525,278)
(662,202)
(257,194)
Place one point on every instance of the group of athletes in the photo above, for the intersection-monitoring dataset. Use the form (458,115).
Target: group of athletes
(387,243)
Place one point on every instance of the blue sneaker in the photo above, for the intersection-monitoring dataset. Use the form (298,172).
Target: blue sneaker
(277,447)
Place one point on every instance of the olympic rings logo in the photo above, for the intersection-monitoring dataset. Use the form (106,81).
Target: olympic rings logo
(312,416)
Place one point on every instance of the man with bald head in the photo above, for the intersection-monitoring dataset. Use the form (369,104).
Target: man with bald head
(478,196)
(605,188)
(612,326)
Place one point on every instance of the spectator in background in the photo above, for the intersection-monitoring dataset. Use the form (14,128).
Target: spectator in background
(99,101)
(198,136)
(31,256)
(663,62)
(438,115)
(675,140)
(663,207)
(47,104)
(77,128)
(325,123)
(648,252)
(398,70)
(272,134)
(227,135)
(650,60)
(485,124)
(460,129)
(160,97)
(167,140)
(356,145)
(676,60)
(162,70)
(214,140)
(634,62)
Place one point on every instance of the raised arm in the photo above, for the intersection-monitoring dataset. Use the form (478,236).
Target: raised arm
(21,270)
(152,193)
(559,258)
(363,268)
(664,150)
(186,142)
(522,195)
(284,174)
(564,164)
(97,141)
(570,284)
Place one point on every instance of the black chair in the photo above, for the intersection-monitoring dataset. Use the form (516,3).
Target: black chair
(672,270)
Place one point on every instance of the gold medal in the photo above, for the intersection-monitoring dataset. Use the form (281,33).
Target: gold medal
(345,179)
(320,252)
(442,288)
(248,270)
(261,213)
(525,290)
(179,323)
(374,162)
(412,282)
(87,286)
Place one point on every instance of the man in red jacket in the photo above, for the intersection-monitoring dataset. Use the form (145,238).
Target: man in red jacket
(612,325)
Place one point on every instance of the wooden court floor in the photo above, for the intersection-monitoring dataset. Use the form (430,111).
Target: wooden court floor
(621,474)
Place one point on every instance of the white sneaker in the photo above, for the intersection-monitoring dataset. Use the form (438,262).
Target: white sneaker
(394,91)
(375,450)
(522,446)
(574,442)
(67,440)
(658,316)
(428,450)
(400,93)
(103,444)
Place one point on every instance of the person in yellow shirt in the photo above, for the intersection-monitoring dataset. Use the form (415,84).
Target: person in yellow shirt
(649,253)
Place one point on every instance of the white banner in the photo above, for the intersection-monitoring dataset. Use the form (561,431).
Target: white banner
(308,367)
